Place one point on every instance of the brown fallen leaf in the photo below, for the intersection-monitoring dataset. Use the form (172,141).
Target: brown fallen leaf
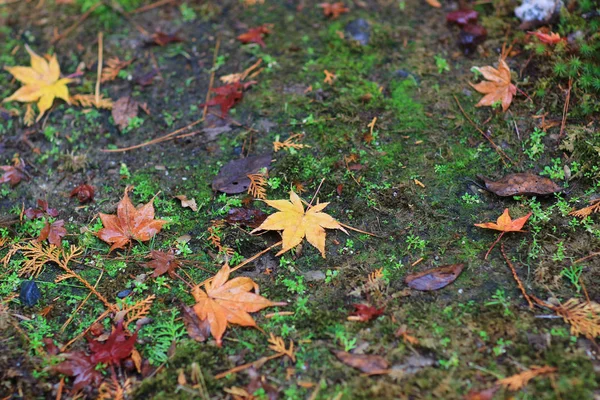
(13,174)
(435,278)
(504,223)
(83,192)
(113,67)
(161,38)
(224,302)
(367,363)
(233,176)
(123,110)
(497,87)
(250,217)
(197,329)
(163,262)
(521,184)
(334,10)
(53,232)
(129,223)
(185,202)
(486,394)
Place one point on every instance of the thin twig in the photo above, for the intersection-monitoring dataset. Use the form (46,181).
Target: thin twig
(76,24)
(514,272)
(100,53)
(493,245)
(498,149)
(316,192)
(76,338)
(212,76)
(150,6)
(62,329)
(565,110)
(586,257)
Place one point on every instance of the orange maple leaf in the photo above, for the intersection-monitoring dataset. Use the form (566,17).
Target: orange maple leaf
(222,302)
(334,10)
(497,88)
(129,223)
(297,224)
(547,38)
(504,224)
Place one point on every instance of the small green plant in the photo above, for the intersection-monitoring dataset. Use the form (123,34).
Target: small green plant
(330,275)
(499,298)
(187,13)
(342,337)
(124,171)
(163,333)
(559,254)
(573,274)
(416,243)
(441,64)
(534,147)
(470,199)
(500,347)
(295,286)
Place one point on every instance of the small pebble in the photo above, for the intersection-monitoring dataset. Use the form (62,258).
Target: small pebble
(359,31)
(124,293)
(30,293)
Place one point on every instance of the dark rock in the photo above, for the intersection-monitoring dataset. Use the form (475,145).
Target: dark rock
(470,37)
(358,30)
(124,293)
(30,293)
(403,74)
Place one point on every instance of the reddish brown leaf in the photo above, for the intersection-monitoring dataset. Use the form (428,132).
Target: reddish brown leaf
(255,35)
(41,211)
(81,366)
(334,10)
(233,176)
(547,38)
(163,262)
(129,223)
(462,17)
(197,329)
(53,232)
(115,349)
(250,217)
(434,279)
(146,79)
(366,363)
(123,110)
(162,39)
(228,96)
(521,184)
(84,193)
(365,312)
(13,174)
(487,394)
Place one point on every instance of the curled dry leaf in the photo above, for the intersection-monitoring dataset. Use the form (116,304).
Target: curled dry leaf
(13,174)
(365,312)
(369,364)
(185,202)
(162,39)
(487,394)
(521,184)
(226,301)
(250,217)
(435,278)
(84,193)
(255,35)
(54,232)
(197,329)
(123,110)
(334,10)
(297,224)
(497,87)
(42,83)
(233,176)
(129,223)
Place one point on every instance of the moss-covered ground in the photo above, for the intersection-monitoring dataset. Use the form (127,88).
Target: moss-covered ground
(412,185)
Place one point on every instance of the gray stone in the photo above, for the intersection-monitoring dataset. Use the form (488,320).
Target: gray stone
(359,31)
(314,276)
(538,12)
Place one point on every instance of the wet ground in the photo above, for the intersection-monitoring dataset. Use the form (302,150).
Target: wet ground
(410,179)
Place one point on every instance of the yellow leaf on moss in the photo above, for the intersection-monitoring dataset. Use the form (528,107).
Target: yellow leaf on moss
(41,82)
(297,224)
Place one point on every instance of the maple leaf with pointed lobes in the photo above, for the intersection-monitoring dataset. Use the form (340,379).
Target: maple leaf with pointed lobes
(42,83)
(547,38)
(225,302)
(79,365)
(334,10)
(297,224)
(54,232)
(228,96)
(163,262)
(504,224)
(129,223)
(255,35)
(13,174)
(497,88)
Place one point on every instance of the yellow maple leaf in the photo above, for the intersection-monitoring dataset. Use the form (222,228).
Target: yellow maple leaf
(42,83)
(297,224)
(497,87)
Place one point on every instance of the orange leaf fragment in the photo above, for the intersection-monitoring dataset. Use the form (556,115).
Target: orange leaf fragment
(518,381)
(497,88)
(505,223)
(434,3)
(224,302)
(129,223)
(334,10)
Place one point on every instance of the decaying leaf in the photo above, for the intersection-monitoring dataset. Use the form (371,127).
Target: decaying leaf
(228,96)
(13,174)
(519,381)
(54,232)
(250,217)
(42,83)
(79,365)
(123,110)
(112,68)
(225,302)
(233,176)
(486,394)
(434,279)
(521,184)
(369,364)
(498,87)
(162,39)
(84,193)
(255,35)
(504,224)
(197,329)
(462,17)
(129,223)
(547,38)
(185,202)
(334,10)
(365,312)
(42,210)
(248,72)
(297,224)
(163,262)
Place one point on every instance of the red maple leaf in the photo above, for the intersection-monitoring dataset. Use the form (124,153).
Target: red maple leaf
(43,209)
(13,174)
(81,366)
(53,232)
(84,193)
(334,10)
(364,312)
(115,349)
(228,96)
(163,262)
(255,35)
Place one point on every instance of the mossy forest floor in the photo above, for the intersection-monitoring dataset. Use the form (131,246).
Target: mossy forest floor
(411,183)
